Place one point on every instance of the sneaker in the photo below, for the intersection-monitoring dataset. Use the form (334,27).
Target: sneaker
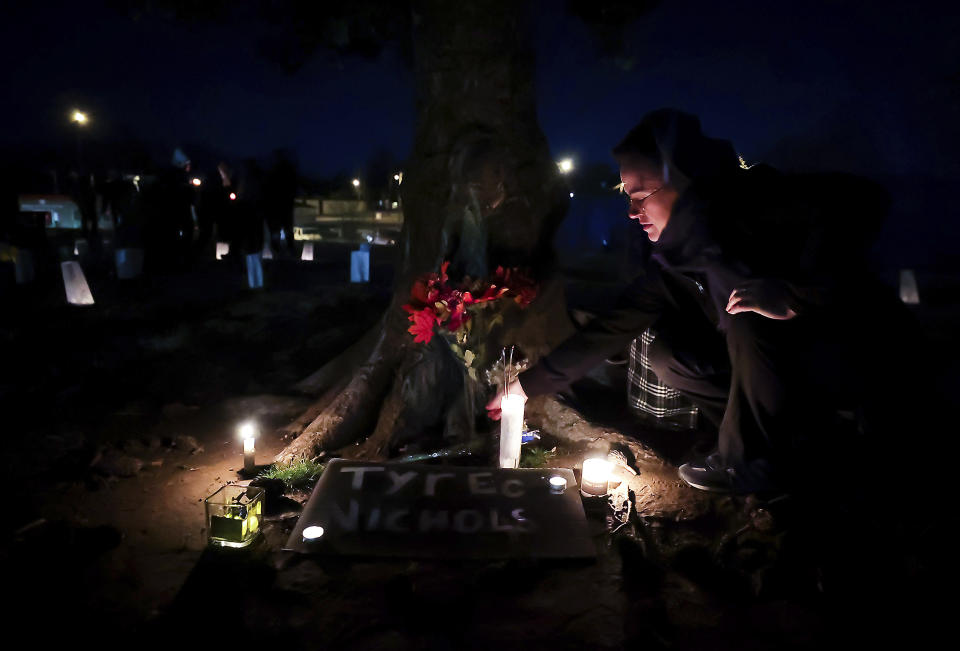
(713,475)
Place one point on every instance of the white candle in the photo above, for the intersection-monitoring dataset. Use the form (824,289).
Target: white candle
(596,473)
(312,533)
(558,484)
(511,430)
(249,465)
(248,432)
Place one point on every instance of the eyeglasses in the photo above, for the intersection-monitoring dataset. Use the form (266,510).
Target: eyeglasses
(636,205)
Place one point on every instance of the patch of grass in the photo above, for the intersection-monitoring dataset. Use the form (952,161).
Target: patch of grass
(536,457)
(300,475)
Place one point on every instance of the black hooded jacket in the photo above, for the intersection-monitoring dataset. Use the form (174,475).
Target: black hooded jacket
(810,231)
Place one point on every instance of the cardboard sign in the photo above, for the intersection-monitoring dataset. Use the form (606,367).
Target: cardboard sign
(407,510)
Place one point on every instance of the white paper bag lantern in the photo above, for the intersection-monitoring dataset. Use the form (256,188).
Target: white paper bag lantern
(24,267)
(129,263)
(909,293)
(75,284)
(254,271)
(360,266)
(267,253)
(81,248)
(307,253)
(223,248)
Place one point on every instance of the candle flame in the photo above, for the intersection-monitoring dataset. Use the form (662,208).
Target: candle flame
(248,431)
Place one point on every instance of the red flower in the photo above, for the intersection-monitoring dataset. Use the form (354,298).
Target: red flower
(458,317)
(423,322)
(490,293)
(435,302)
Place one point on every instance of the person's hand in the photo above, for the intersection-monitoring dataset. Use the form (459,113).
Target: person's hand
(493,407)
(769,298)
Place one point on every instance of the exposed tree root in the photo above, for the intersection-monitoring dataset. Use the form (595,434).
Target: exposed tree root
(354,410)
(296,427)
(332,374)
(377,445)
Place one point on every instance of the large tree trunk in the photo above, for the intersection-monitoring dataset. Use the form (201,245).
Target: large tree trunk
(480,189)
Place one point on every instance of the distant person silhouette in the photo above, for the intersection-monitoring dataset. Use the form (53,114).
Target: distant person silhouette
(251,206)
(280,191)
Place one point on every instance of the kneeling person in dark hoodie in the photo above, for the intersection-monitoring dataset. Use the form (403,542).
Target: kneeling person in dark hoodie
(758,289)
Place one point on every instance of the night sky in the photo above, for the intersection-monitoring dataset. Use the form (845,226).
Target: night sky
(854,85)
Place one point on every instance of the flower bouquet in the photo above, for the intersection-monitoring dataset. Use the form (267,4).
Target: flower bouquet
(465,313)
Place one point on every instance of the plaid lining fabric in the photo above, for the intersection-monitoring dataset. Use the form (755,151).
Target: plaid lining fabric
(650,397)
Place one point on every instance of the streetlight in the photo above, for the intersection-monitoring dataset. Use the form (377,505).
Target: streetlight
(565,165)
(80,119)
(356,183)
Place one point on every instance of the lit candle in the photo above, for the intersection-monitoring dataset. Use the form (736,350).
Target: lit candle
(248,432)
(558,484)
(596,473)
(511,429)
(312,533)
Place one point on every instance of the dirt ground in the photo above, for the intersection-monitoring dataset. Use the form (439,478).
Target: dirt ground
(120,418)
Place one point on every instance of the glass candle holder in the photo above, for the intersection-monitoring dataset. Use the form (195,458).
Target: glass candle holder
(233,515)
(595,477)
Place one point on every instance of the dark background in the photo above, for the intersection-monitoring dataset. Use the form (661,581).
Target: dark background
(867,87)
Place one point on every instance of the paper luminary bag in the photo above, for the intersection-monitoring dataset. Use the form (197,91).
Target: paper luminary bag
(75,284)
(307,253)
(360,266)
(81,249)
(223,248)
(909,293)
(254,271)
(129,263)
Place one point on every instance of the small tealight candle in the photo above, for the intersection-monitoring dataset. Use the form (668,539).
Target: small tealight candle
(248,432)
(596,473)
(312,533)
(558,484)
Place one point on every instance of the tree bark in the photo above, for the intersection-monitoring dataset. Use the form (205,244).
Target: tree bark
(480,189)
